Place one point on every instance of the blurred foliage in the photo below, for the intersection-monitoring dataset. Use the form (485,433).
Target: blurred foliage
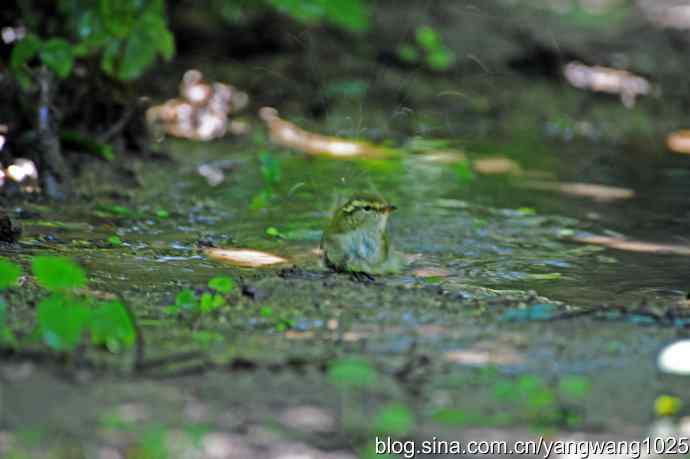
(188,302)
(126,36)
(428,50)
(65,317)
(351,15)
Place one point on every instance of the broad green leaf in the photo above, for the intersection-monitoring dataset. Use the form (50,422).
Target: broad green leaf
(62,321)
(186,300)
(210,302)
(352,372)
(58,273)
(57,55)
(111,325)
(222,284)
(9,273)
(166,44)
(24,51)
(115,240)
(138,54)
(119,16)
(428,38)
(394,419)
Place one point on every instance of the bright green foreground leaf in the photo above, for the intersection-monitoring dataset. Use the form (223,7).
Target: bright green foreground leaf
(61,321)
(58,273)
(186,300)
(112,326)
(222,284)
(9,273)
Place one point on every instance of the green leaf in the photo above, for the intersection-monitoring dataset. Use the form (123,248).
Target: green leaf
(9,273)
(428,38)
(166,44)
(25,50)
(61,321)
(222,284)
(58,273)
(149,36)
(115,240)
(186,300)
(273,232)
(210,302)
(441,59)
(112,326)
(352,372)
(395,419)
(57,55)
(119,16)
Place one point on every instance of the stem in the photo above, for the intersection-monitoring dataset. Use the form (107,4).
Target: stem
(56,172)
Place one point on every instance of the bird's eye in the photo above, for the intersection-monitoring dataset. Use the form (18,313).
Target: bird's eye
(367,208)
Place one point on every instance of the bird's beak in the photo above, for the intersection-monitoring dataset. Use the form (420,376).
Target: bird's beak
(390,208)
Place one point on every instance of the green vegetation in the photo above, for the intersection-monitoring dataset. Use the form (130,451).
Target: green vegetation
(428,50)
(187,302)
(528,400)
(67,316)
(124,36)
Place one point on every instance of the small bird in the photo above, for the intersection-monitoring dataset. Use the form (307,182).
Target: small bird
(355,240)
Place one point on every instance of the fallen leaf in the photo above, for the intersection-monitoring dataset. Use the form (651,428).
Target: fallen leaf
(289,135)
(247,258)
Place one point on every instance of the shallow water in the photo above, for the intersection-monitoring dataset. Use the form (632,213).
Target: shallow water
(503,267)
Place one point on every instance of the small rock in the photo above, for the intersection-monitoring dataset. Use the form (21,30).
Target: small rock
(9,231)
(675,358)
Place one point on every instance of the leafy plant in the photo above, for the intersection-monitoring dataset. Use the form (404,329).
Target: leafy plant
(187,301)
(126,36)
(427,49)
(528,399)
(65,317)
